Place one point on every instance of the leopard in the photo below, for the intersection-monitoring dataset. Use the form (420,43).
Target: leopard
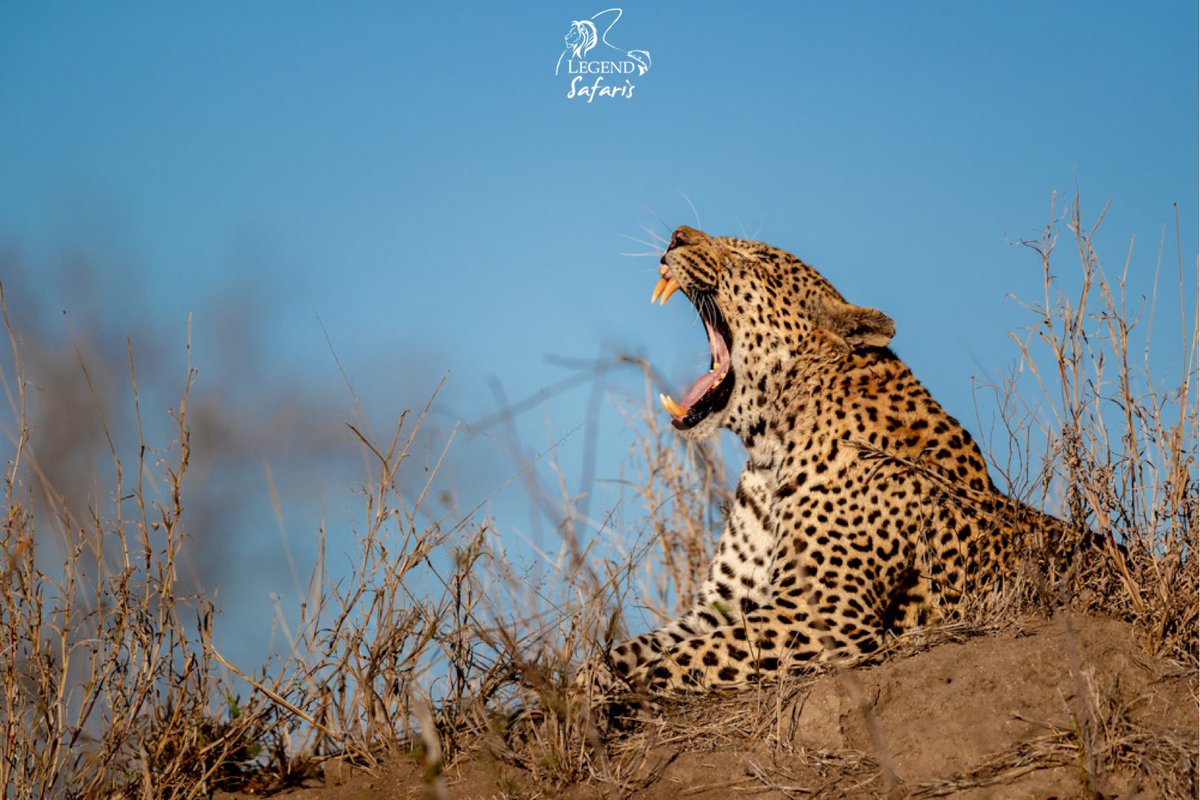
(864,509)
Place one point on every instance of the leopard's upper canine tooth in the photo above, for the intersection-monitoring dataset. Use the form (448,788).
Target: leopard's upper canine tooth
(674,409)
(658,289)
(670,289)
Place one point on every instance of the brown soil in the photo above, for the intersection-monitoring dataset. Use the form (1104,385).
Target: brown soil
(1037,711)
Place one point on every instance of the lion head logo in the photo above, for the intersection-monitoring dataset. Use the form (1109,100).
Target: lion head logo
(581,37)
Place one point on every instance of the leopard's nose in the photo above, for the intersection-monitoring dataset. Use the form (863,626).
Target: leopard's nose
(684,236)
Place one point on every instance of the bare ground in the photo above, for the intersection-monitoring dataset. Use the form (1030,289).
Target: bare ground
(1067,707)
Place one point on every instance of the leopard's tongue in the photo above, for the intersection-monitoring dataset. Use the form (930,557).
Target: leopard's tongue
(705,383)
(700,388)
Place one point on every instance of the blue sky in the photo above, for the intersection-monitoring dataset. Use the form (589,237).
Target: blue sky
(416,179)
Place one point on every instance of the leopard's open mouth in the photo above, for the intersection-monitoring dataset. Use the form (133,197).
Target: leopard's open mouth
(710,392)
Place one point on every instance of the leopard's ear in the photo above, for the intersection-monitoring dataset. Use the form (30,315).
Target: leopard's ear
(859,326)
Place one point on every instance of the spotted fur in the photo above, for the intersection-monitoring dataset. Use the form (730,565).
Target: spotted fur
(864,508)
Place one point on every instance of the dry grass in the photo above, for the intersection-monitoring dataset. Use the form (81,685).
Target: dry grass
(436,647)
(107,672)
(1117,441)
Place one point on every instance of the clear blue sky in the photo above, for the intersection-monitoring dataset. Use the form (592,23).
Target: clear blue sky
(415,176)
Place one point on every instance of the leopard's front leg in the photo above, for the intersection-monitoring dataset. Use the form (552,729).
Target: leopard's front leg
(738,580)
(764,645)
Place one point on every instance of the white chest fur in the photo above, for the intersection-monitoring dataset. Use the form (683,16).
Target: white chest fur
(741,569)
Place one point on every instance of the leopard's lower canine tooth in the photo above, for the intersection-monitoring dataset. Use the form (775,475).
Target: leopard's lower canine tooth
(674,409)
(658,289)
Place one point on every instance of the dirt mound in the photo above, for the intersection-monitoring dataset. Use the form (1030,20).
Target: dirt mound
(1049,708)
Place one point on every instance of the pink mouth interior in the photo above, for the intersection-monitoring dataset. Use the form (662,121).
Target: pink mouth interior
(720,356)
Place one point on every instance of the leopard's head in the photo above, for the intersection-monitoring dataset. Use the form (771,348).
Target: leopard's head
(762,309)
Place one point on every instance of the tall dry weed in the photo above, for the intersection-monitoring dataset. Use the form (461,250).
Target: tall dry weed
(1104,435)
(107,679)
